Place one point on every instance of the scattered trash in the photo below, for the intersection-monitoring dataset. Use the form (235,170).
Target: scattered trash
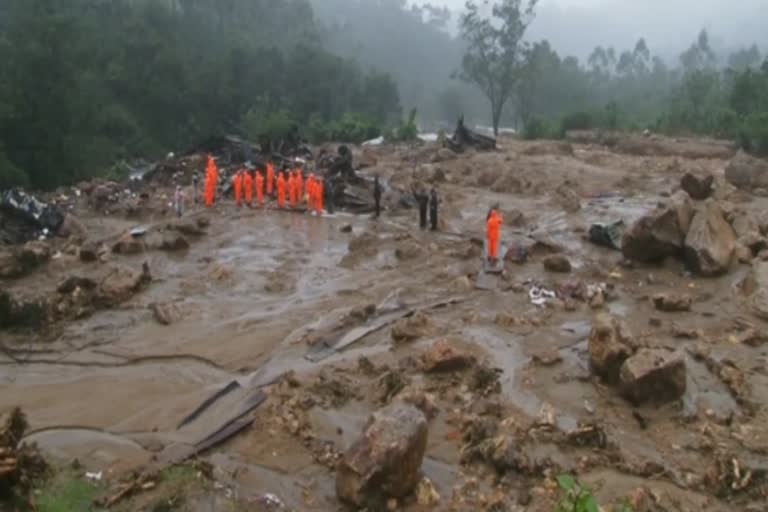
(34,218)
(540,296)
(96,477)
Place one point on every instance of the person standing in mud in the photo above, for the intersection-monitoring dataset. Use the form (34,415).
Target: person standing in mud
(195,181)
(423,199)
(377,196)
(178,201)
(433,202)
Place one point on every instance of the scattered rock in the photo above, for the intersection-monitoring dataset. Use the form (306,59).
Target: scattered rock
(409,250)
(34,254)
(755,287)
(699,188)
(557,263)
(165,314)
(10,266)
(190,227)
(120,284)
(387,459)
(70,284)
(710,242)
(71,227)
(426,494)
(346,228)
(411,328)
(746,172)
(610,345)
(423,401)
(128,244)
(443,356)
(88,252)
(567,198)
(221,273)
(507,183)
(171,242)
(653,375)
(670,302)
(443,154)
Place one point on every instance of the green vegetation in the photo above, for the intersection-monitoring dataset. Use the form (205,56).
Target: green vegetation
(67,493)
(86,84)
(576,497)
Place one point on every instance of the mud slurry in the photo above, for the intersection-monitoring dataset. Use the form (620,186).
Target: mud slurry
(260,290)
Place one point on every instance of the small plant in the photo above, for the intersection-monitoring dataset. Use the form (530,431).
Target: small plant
(576,497)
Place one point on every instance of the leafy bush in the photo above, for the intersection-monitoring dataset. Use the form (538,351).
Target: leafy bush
(538,128)
(577,121)
(576,497)
(273,125)
(753,135)
(408,131)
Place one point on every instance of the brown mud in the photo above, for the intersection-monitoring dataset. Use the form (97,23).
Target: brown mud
(262,289)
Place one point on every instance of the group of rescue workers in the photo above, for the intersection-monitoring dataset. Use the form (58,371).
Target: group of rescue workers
(287,186)
(291,189)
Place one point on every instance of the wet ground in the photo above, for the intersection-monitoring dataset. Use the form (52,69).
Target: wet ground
(265,288)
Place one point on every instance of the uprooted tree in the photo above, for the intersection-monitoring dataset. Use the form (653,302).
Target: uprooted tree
(495,50)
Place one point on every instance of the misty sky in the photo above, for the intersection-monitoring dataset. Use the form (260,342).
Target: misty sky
(669,26)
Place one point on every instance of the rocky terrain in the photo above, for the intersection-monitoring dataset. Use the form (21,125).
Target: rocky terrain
(318,363)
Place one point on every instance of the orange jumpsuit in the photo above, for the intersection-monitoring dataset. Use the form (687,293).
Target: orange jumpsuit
(292,190)
(281,191)
(494,228)
(211,179)
(260,188)
(319,197)
(270,178)
(300,184)
(248,186)
(238,182)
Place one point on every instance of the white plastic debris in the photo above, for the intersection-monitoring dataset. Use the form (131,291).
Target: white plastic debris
(540,296)
(96,477)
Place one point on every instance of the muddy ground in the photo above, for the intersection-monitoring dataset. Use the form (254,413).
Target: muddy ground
(262,290)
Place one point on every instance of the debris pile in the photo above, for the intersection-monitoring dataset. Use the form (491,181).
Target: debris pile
(464,138)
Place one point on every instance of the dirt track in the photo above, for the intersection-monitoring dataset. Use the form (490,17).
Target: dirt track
(262,287)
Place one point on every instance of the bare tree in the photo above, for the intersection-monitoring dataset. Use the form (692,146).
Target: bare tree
(495,50)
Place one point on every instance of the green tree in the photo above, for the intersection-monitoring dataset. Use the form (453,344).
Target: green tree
(495,50)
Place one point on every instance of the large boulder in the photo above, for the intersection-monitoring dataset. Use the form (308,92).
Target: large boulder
(386,461)
(120,284)
(610,344)
(755,287)
(710,243)
(746,172)
(661,233)
(697,187)
(653,375)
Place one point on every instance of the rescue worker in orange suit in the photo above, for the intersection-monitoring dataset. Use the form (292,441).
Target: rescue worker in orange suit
(248,186)
(319,190)
(310,193)
(270,178)
(238,183)
(260,188)
(292,189)
(281,184)
(211,177)
(494,228)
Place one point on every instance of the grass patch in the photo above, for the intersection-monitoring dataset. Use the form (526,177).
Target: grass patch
(67,493)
